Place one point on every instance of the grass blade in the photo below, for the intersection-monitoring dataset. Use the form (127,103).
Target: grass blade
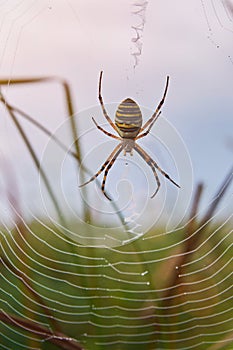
(57,338)
(36,162)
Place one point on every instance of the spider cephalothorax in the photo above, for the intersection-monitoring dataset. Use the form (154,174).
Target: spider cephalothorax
(128,125)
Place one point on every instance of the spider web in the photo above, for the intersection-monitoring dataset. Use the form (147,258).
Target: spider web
(160,285)
(219,20)
(117,296)
(139,11)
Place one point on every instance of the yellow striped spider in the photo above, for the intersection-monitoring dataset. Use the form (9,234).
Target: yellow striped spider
(128,125)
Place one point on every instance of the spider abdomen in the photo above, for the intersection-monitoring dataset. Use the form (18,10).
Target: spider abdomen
(128,119)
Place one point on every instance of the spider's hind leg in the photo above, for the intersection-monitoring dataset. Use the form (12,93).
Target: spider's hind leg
(116,150)
(157,180)
(153,165)
(110,164)
(149,161)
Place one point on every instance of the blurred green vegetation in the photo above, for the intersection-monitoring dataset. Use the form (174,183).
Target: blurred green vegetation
(103,295)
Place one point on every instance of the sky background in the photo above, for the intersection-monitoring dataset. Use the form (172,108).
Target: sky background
(191,41)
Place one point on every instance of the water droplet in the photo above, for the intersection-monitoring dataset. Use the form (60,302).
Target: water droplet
(144,273)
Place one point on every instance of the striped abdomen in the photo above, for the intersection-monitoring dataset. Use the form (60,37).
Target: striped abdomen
(128,119)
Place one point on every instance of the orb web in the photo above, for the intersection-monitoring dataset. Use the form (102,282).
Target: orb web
(170,287)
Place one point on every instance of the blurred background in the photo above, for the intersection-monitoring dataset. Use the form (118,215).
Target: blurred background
(137,44)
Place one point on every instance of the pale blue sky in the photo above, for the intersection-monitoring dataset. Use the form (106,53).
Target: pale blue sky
(76,39)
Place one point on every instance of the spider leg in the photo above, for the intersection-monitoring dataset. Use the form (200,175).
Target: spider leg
(102,104)
(148,130)
(151,163)
(104,131)
(156,115)
(110,164)
(118,147)
(148,160)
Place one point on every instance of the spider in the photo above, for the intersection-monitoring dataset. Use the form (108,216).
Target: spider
(128,125)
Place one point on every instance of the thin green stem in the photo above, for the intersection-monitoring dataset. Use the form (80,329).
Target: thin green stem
(37,164)
(57,338)
(70,111)
(62,145)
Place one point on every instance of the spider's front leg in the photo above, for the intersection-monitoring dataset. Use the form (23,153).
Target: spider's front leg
(156,114)
(102,104)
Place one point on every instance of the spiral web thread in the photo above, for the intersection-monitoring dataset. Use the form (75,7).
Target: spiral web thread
(160,292)
(218,16)
(164,291)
